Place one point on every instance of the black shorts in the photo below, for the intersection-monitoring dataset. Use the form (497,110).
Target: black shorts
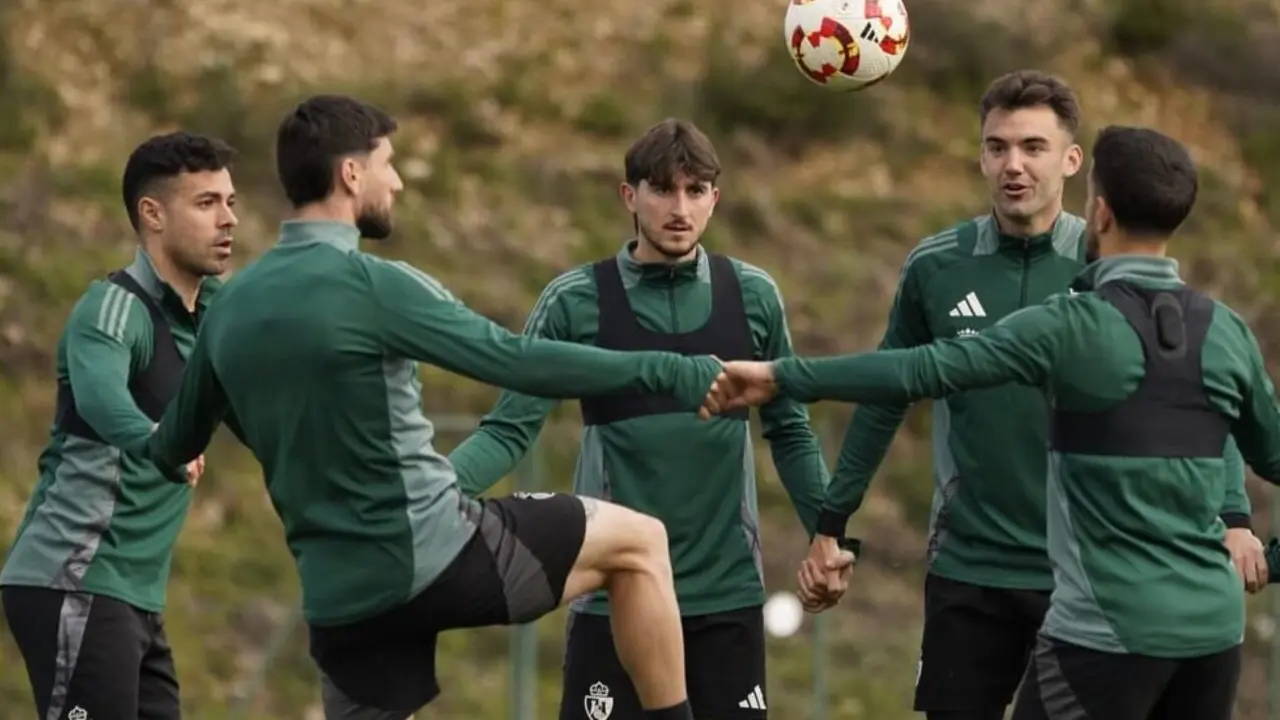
(977,641)
(1066,681)
(512,571)
(105,657)
(724,668)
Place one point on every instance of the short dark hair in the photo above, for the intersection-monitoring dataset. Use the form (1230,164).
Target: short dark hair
(1148,179)
(667,149)
(1032,88)
(316,135)
(164,157)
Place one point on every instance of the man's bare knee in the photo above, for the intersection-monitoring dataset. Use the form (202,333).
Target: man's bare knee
(618,540)
(622,533)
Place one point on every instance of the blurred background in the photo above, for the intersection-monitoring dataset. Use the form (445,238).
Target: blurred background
(515,115)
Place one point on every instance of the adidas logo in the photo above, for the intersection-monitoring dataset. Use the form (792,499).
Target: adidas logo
(968,307)
(755,700)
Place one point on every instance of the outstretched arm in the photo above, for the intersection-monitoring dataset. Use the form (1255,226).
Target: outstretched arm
(193,416)
(512,426)
(1021,348)
(419,319)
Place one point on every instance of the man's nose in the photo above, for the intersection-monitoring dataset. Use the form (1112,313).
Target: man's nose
(1013,163)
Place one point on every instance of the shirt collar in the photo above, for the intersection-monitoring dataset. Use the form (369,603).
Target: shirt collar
(633,271)
(1145,270)
(340,235)
(143,271)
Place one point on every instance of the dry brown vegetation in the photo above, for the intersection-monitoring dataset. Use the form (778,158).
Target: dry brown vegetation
(515,115)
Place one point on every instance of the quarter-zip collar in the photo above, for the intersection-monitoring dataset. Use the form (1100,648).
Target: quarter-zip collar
(340,235)
(1063,237)
(1150,271)
(635,272)
(143,271)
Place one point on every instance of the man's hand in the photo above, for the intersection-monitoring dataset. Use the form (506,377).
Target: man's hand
(195,469)
(1248,556)
(824,575)
(741,384)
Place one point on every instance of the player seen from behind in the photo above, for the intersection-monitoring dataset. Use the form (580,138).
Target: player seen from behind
(664,291)
(989,576)
(84,581)
(312,351)
(1147,378)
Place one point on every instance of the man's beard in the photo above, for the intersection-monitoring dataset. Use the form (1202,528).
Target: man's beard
(664,250)
(374,224)
(197,266)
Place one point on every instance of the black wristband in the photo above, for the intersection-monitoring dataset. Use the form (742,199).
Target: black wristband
(853,545)
(1237,520)
(832,523)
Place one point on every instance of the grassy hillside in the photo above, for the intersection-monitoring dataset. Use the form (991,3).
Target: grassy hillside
(515,115)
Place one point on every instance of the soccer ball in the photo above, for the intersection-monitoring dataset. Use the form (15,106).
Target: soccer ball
(847,45)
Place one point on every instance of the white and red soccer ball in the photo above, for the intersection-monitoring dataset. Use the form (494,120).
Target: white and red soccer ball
(847,45)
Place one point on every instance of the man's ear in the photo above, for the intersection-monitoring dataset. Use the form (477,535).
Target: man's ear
(1075,160)
(1104,220)
(150,215)
(628,195)
(351,175)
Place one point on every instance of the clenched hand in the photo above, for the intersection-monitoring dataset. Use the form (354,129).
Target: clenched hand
(740,384)
(195,469)
(1248,556)
(824,575)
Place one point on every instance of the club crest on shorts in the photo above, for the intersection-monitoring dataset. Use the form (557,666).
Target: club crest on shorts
(597,702)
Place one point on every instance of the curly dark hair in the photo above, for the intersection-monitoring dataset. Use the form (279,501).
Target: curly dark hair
(164,157)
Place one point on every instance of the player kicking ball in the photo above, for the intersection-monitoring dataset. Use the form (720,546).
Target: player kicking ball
(310,355)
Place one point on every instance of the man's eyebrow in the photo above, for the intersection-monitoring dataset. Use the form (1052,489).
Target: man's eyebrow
(1023,139)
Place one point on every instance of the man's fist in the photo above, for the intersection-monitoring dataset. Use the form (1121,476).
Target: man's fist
(740,384)
(195,469)
(1248,557)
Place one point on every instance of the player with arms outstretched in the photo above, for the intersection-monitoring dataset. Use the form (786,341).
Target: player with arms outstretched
(1145,379)
(989,575)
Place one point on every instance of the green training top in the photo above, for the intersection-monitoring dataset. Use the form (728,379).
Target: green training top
(100,521)
(697,477)
(1136,543)
(311,355)
(987,520)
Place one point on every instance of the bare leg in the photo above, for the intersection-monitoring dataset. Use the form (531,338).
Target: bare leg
(626,553)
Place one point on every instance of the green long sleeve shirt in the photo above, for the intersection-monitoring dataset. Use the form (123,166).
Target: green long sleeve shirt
(1135,542)
(699,478)
(99,520)
(987,521)
(314,350)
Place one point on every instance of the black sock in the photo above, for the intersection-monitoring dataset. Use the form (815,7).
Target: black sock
(675,712)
